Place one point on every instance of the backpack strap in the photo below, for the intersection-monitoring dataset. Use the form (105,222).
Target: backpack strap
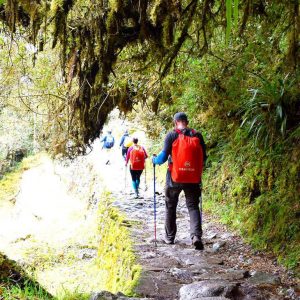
(192,131)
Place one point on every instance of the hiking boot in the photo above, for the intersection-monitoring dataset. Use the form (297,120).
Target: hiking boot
(197,243)
(169,241)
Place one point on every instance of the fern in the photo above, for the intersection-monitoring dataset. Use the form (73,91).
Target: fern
(265,114)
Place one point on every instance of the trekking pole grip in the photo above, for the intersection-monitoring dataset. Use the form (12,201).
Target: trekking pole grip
(154,200)
(153,157)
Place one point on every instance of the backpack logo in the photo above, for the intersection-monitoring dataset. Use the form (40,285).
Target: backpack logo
(187,164)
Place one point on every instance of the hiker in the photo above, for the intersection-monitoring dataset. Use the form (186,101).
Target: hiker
(137,155)
(125,143)
(185,151)
(108,142)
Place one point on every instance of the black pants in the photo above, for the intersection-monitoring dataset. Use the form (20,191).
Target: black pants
(192,195)
(124,152)
(136,175)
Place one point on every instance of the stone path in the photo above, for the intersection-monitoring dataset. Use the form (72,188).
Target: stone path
(180,272)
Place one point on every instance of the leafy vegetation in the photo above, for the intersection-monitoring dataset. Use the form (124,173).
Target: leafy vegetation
(244,97)
(15,284)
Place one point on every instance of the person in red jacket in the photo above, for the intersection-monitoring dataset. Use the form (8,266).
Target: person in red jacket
(137,155)
(185,150)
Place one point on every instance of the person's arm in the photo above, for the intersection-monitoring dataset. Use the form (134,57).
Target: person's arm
(122,141)
(103,139)
(146,155)
(162,157)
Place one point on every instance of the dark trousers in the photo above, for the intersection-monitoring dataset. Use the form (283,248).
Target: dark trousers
(192,195)
(136,174)
(124,152)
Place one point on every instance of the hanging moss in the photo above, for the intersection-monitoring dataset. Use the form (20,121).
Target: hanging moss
(92,35)
(168,35)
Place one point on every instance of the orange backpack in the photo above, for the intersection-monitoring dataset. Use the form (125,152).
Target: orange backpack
(137,158)
(187,157)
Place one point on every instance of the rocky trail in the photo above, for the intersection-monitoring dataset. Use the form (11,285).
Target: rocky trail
(226,269)
(46,217)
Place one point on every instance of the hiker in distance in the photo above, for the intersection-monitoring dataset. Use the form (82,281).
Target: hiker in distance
(137,156)
(125,143)
(108,142)
(185,150)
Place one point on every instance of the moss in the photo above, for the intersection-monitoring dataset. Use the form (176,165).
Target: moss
(115,254)
(260,201)
(168,31)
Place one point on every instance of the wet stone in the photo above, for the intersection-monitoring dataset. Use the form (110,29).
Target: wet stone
(191,260)
(229,275)
(160,263)
(209,288)
(148,255)
(153,284)
(105,295)
(182,275)
(251,292)
(261,278)
(218,245)
(203,268)
(210,236)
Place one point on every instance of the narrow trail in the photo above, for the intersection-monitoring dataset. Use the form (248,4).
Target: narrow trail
(47,218)
(226,269)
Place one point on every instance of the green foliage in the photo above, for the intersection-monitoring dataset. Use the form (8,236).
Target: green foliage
(258,196)
(16,284)
(266,113)
(115,254)
(28,291)
(32,104)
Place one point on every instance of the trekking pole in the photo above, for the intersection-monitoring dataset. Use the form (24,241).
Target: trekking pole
(201,208)
(154,200)
(146,188)
(125,179)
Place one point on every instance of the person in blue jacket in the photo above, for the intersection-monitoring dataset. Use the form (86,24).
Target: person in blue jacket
(122,143)
(108,142)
